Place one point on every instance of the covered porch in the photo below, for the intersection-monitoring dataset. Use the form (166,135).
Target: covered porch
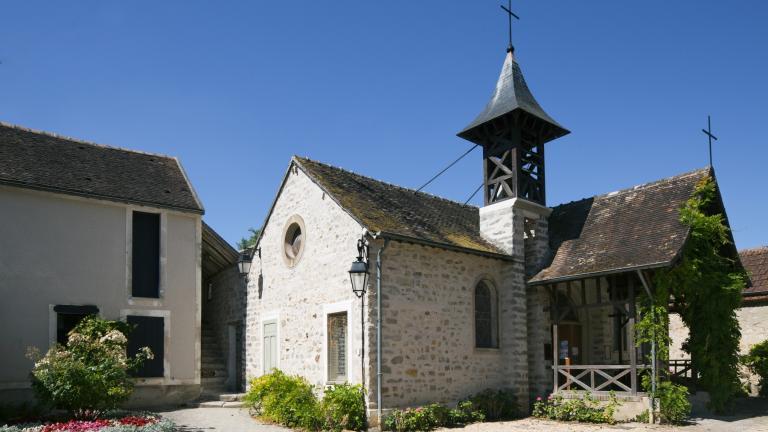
(591,345)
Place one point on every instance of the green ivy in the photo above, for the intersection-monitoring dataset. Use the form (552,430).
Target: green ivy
(757,362)
(705,288)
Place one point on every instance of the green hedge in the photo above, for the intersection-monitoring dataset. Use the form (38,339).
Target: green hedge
(586,409)
(290,401)
(757,362)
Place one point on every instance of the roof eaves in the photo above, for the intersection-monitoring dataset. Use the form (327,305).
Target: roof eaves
(532,282)
(416,240)
(65,191)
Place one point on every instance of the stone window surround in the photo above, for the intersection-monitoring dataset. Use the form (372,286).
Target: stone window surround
(329,309)
(52,324)
(488,280)
(298,220)
(145,301)
(167,378)
(267,317)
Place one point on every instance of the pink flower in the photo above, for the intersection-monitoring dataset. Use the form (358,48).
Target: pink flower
(538,398)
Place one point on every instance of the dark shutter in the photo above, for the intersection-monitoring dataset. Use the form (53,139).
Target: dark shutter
(145,273)
(69,316)
(147,332)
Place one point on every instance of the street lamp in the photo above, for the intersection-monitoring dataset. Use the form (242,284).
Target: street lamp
(244,262)
(358,276)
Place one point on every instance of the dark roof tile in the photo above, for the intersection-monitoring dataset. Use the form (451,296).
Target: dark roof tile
(755,261)
(632,228)
(402,212)
(41,160)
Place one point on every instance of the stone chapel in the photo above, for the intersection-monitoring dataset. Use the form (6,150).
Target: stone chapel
(515,294)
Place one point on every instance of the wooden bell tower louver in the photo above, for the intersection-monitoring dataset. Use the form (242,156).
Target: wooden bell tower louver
(512,129)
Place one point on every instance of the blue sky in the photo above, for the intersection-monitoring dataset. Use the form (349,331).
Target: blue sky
(235,88)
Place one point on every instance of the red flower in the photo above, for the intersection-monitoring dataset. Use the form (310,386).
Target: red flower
(136,421)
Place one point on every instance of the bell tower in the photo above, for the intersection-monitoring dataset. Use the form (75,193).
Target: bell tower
(512,129)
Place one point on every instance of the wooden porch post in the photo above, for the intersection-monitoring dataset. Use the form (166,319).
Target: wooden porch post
(555,362)
(631,337)
(555,342)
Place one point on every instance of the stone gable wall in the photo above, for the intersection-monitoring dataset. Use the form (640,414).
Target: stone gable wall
(298,297)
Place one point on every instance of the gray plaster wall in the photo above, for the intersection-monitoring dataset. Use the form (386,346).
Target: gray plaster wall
(57,249)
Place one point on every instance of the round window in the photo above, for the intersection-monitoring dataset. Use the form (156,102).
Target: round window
(293,240)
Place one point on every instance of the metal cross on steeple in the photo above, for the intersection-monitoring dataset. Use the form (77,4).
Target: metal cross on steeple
(511,14)
(708,133)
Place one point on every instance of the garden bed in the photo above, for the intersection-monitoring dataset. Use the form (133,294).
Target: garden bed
(111,422)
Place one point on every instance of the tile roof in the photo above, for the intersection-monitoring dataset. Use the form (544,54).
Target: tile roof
(41,160)
(755,261)
(398,212)
(632,228)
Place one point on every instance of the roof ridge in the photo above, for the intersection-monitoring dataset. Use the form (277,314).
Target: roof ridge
(763,248)
(414,191)
(637,187)
(81,141)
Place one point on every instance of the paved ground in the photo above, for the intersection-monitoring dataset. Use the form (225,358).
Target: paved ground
(752,416)
(217,419)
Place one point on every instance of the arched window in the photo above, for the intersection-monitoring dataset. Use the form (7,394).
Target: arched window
(486,316)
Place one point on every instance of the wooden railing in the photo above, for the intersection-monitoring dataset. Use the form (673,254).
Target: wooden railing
(598,378)
(681,369)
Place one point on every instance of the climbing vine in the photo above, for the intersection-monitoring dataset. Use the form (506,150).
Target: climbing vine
(705,288)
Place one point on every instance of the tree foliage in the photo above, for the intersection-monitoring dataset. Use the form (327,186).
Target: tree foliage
(250,241)
(705,288)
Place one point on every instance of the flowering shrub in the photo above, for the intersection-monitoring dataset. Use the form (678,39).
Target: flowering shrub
(431,417)
(91,373)
(119,424)
(496,404)
(586,409)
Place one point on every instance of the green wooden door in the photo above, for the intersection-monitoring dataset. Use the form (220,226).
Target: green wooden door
(270,345)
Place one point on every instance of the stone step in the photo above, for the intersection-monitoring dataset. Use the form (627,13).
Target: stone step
(232,397)
(219,404)
(211,359)
(212,381)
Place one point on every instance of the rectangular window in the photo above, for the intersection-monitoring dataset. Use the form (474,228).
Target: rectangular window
(337,347)
(145,273)
(148,332)
(67,317)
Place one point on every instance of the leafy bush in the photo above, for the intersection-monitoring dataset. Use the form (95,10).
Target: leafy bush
(673,399)
(757,362)
(586,409)
(343,407)
(431,417)
(283,399)
(92,372)
(496,404)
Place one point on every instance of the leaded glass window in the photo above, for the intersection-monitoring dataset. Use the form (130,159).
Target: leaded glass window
(486,316)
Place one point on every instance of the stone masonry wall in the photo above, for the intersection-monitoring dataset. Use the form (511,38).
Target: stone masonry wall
(224,306)
(753,319)
(428,349)
(299,297)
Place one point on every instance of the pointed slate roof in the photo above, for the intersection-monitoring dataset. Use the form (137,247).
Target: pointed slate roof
(512,97)
(401,213)
(755,262)
(630,229)
(45,161)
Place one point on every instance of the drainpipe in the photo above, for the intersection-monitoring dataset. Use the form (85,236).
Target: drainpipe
(378,328)
(653,347)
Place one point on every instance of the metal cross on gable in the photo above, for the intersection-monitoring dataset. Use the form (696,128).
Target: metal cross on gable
(708,133)
(511,14)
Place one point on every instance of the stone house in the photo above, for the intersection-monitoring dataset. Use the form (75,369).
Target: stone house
(87,228)
(514,294)
(753,314)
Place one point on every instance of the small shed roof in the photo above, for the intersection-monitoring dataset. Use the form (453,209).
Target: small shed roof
(629,229)
(755,262)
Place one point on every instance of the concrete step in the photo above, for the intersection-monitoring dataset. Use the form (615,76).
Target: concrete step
(213,365)
(219,404)
(232,397)
(212,381)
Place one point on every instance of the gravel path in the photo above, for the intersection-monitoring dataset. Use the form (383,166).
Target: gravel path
(217,419)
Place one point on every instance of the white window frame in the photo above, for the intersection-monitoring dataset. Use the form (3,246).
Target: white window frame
(330,309)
